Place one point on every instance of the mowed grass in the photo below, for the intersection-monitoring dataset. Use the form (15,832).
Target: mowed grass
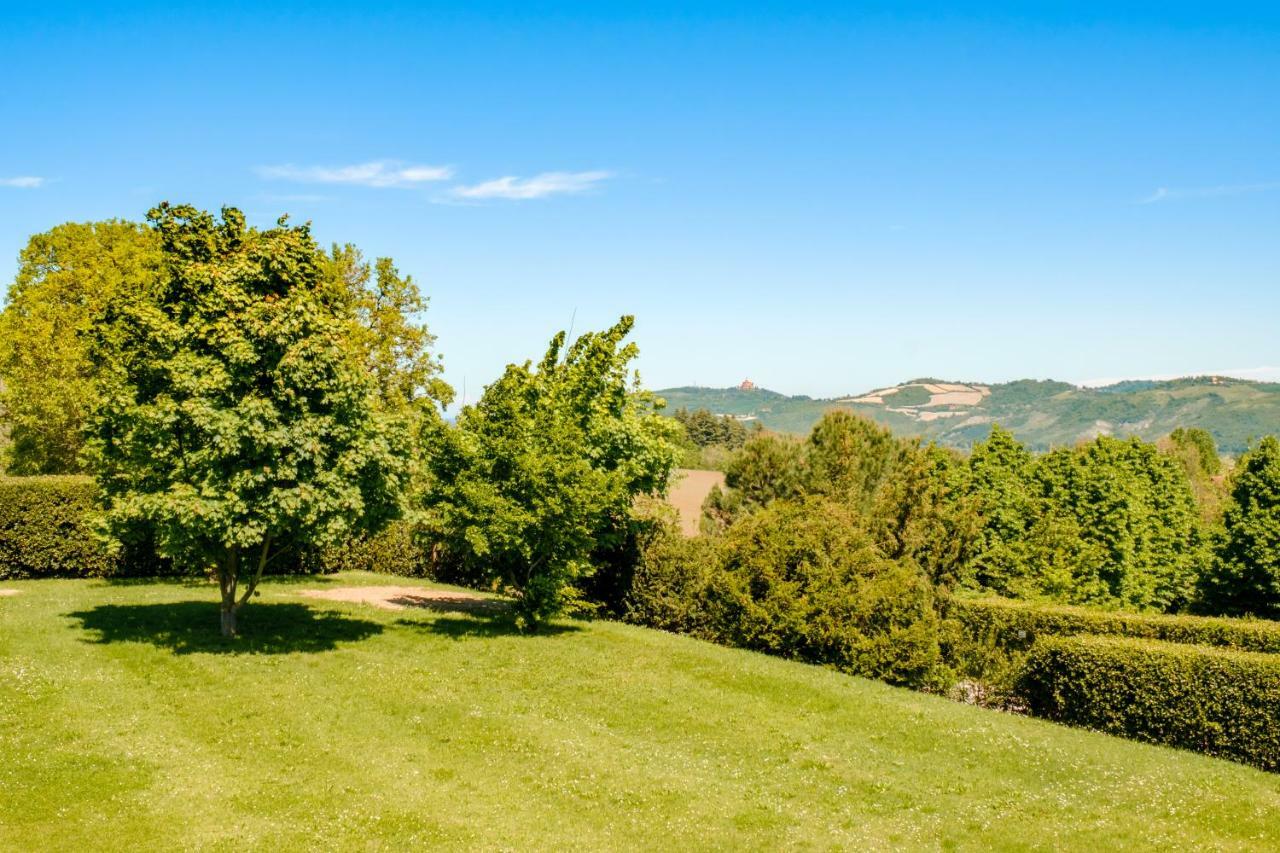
(125,722)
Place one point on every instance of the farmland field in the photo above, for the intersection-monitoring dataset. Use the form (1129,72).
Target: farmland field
(127,723)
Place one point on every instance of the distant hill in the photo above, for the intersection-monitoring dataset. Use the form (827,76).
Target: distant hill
(1041,413)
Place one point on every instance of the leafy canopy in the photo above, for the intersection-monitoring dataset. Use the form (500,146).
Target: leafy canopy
(237,413)
(543,470)
(65,278)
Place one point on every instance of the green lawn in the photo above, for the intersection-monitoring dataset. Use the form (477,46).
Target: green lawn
(126,723)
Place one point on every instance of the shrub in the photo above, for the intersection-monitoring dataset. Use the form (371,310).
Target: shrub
(392,551)
(1216,701)
(1016,625)
(46,531)
(668,588)
(805,580)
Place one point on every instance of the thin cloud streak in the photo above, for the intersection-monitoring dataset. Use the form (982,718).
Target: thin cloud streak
(23,182)
(1173,194)
(538,186)
(377,173)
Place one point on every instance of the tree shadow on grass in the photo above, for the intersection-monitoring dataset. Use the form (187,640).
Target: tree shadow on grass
(477,623)
(186,627)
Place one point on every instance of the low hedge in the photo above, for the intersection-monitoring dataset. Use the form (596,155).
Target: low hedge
(1217,701)
(1016,625)
(45,531)
(393,551)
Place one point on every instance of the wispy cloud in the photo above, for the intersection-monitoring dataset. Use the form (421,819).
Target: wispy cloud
(377,173)
(1173,193)
(23,182)
(539,186)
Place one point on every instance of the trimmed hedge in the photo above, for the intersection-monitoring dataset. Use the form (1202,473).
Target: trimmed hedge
(1212,700)
(393,551)
(45,530)
(1016,625)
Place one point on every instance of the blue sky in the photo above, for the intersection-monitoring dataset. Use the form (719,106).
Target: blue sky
(823,200)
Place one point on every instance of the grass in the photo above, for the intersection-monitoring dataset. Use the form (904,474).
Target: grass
(125,722)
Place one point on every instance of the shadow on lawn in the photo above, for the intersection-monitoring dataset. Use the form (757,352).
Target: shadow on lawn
(185,627)
(498,622)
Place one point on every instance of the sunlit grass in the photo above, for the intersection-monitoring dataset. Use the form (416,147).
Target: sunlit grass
(126,722)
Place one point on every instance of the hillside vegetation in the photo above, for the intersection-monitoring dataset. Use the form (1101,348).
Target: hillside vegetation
(1042,414)
(349,726)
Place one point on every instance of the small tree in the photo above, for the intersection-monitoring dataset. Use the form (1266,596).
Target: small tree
(1245,577)
(543,470)
(237,417)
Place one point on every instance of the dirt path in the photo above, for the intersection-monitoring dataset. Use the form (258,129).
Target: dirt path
(689,490)
(4,592)
(400,597)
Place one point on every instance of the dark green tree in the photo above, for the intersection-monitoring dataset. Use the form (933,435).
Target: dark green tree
(1245,577)
(238,418)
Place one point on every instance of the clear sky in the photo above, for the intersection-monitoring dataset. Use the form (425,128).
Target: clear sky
(823,201)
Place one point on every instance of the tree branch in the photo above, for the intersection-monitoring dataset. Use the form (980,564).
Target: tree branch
(257,575)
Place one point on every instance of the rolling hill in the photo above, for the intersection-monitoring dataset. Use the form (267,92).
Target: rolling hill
(1042,413)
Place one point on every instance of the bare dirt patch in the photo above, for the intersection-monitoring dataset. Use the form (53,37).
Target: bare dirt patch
(688,490)
(402,597)
(4,592)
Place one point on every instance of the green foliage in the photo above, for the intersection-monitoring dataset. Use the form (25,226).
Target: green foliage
(705,429)
(848,457)
(46,529)
(767,468)
(668,589)
(1135,506)
(1111,523)
(1245,577)
(543,470)
(47,380)
(237,415)
(1201,453)
(925,513)
(993,635)
(803,580)
(394,550)
(1216,701)
(800,579)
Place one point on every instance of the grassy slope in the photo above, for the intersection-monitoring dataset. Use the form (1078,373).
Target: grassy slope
(341,725)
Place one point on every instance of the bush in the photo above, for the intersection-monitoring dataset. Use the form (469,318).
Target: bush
(668,588)
(1216,701)
(46,531)
(393,551)
(805,580)
(1016,625)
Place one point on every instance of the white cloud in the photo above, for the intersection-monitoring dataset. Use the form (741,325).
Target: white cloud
(377,173)
(1171,194)
(25,182)
(1256,374)
(539,186)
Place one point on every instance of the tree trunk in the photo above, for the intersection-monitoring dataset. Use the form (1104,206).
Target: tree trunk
(228,620)
(228,571)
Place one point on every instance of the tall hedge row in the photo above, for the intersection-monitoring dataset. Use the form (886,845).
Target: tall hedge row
(1212,700)
(1016,625)
(45,530)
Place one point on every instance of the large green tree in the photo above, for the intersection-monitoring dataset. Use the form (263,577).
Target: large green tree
(1246,573)
(65,277)
(238,417)
(544,469)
